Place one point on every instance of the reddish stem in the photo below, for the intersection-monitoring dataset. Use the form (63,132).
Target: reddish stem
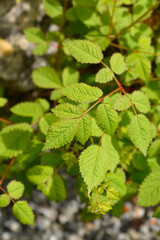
(6,121)
(4,175)
(7,194)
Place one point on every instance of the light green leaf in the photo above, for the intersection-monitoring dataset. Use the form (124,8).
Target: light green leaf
(84,129)
(46,77)
(117,181)
(84,51)
(117,63)
(40,49)
(34,35)
(140,132)
(27,109)
(60,133)
(69,76)
(154,148)
(4,200)
(107,118)
(46,121)
(67,110)
(96,131)
(44,103)
(149,191)
(111,148)
(14,139)
(55,189)
(39,174)
(143,67)
(93,165)
(141,101)
(104,75)
(55,95)
(3,101)
(144,42)
(15,189)
(81,92)
(53,8)
(122,103)
(23,212)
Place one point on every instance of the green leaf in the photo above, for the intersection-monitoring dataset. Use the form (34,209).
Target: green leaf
(122,103)
(96,131)
(84,51)
(60,133)
(69,76)
(53,8)
(149,191)
(81,92)
(14,139)
(84,129)
(15,189)
(111,148)
(34,35)
(118,182)
(55,95)
(3,101)
(154,149)
(67,110)
(55,189)
(141,101)
(46,121)
(143,67)
(39,174)
(144,42)
(140,132)
(104,75)
(40,49)
(93,165)
(107,118)
(27,109)
(44,103)
(4,200)
(46,77)
(117,63)
(23,212)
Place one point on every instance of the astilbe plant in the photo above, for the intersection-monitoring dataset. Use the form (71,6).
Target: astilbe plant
(104,128)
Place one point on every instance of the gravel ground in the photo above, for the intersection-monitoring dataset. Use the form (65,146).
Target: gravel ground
(62,221)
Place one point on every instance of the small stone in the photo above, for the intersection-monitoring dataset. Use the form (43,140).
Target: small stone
(6,236)
(53,237)
(13,225)
(123,236)
(43,224)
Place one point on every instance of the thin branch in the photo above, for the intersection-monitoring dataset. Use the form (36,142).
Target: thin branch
(138,19)
(133,50)
(7,170)
(7,194)
(100,100)
(120,86)
(111,17)
(57,170)
(101,139)
(6,121)
(31,125)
